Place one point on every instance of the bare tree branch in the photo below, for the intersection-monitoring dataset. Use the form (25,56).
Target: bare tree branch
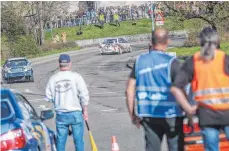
(210,12)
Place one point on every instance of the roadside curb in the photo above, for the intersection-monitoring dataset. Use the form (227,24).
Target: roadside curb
(132,38)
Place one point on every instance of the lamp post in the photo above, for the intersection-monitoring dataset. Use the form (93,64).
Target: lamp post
(152,5)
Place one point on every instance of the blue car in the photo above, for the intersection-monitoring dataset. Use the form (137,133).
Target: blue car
(17,69)
(21,128)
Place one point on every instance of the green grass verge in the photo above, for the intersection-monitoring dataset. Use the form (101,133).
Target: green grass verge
(184,51)
(50,52)
(142,26)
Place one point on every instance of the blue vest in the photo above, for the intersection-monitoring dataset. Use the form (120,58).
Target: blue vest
(153,82)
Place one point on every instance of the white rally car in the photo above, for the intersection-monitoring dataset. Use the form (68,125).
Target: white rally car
(115,45)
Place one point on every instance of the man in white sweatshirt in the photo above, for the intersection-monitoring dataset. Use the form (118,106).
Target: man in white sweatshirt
(69,93)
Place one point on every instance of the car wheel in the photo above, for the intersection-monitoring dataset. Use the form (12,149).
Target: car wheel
(7,81)
(31,79)
(120,51)
(27,79)
(130,50)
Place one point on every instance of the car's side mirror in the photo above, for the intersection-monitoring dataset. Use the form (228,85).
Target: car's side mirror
(46,114)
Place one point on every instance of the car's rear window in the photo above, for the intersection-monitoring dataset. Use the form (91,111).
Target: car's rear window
(5,109)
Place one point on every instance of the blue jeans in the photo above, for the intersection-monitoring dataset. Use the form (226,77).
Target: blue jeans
(63,121)
(211,137)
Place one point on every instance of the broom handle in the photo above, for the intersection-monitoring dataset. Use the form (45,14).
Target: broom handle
(86,121)
(87,125)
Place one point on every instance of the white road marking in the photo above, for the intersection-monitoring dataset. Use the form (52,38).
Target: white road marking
(109,110)
(36,100)
(92,86)
(27,91)
(43,107)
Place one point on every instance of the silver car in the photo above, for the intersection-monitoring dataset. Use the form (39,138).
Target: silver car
(115,46)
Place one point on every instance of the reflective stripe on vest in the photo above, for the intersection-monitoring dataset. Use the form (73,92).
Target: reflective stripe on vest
(216,101)
(161,103)
(155,89)
(211,91)
(210,82)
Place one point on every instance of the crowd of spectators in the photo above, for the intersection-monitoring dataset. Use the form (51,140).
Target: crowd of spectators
(109,15)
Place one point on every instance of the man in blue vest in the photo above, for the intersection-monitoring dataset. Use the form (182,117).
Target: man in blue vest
(149,100)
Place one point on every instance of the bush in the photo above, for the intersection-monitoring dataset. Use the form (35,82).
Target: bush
(223,33)
(4,48)
(24,46)
(60,45)
(173,23)
(194,26)
(192,39)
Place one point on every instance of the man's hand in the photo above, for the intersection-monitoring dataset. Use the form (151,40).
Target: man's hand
(190,120)
(85,113)
(192,110)
(136,120)
(182,100)
(130,97)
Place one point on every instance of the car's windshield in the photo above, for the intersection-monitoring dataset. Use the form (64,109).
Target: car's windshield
(110,41)
(5,109)
(16,63)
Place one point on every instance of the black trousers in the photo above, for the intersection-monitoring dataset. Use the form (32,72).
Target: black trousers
(117,23)
(155,128)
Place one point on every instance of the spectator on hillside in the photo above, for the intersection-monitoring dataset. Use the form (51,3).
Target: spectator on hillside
(93,16)
(111,15)
(132,12)
(116,19)
(87,17)
(101,20)
(56,38)
(107,15)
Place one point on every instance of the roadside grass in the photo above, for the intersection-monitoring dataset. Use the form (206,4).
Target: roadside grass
(50,52)
(188,51)
(93,32)
(142,26)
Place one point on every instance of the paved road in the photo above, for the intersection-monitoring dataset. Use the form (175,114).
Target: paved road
(106,77)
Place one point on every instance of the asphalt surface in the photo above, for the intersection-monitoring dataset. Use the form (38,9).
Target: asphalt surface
(106,77)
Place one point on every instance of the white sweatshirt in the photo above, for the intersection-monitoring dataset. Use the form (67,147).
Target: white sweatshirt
(68,91)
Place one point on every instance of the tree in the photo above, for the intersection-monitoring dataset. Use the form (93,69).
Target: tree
(30,17)
(212,12)
(12,23)
(40,13)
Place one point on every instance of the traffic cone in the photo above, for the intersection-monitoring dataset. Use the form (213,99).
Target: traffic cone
(114,144)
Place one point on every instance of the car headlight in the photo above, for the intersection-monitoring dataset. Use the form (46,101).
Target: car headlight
(27,68)
(7,69)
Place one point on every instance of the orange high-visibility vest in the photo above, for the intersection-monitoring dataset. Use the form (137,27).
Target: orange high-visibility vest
(210,83)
